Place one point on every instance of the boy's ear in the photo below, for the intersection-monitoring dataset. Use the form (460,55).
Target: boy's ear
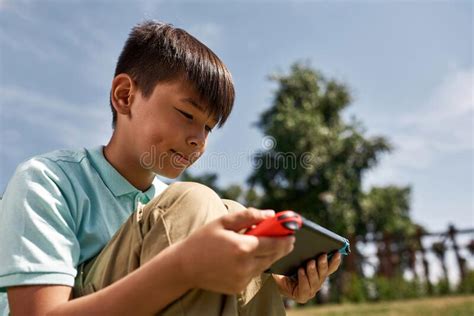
(122,93)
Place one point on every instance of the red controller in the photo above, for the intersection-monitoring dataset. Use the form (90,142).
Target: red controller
(282,224)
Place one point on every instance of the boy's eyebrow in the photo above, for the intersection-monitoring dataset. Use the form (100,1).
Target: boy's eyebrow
(193,103)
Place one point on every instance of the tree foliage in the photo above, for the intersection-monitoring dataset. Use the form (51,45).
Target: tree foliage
(331,153)
(386,209)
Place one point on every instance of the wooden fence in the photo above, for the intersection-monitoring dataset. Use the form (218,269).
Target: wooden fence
(398,254)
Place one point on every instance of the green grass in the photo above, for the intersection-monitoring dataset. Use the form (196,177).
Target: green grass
(449,306)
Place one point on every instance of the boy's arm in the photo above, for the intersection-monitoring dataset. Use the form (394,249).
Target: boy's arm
(36,299)
(207,259)
(145,291)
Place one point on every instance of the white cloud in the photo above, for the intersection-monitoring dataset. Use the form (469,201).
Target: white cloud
(66,42)
(31,45)
(443,125)
(446,122)
(22,9)
(69,124)
(208,33)
(149,8)
(27,101)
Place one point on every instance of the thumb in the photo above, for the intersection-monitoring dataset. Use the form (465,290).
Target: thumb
(244,219)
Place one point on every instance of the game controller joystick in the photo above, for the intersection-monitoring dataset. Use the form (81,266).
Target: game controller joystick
(282,224)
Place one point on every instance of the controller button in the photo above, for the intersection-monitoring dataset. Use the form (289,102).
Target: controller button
(286,215)
(291,225)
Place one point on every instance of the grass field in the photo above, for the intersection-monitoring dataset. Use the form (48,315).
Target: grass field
(446,306)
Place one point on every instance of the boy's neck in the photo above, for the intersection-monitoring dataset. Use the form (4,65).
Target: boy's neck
(127,166)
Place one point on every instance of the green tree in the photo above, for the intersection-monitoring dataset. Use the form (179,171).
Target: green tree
(386,217)
(318,159)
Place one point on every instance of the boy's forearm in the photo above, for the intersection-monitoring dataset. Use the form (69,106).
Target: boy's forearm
(147,290)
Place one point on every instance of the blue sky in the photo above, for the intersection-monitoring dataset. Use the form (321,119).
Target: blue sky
(409,65)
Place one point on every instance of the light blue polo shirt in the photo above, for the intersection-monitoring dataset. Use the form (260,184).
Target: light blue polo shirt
(59,210)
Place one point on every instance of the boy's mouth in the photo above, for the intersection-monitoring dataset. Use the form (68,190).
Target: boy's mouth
(181,158)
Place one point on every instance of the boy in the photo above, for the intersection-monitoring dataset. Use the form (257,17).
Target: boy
(92,231)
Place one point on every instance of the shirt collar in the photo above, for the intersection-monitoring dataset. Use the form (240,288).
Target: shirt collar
(112,178)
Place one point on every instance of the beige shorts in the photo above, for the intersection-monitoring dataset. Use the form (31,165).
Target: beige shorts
(177,212)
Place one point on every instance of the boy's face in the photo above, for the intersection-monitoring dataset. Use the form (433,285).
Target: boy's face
(169,129)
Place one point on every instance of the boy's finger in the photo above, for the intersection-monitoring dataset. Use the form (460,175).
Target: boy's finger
(323,267)
(245,219)
(279,246)
(313,276)
(335,262)
(303,282)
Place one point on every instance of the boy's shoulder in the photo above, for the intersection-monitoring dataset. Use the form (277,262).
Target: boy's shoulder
(57,163)
(56,158)
(64,155)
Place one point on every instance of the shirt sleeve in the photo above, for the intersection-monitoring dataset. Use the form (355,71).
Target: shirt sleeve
(38,244)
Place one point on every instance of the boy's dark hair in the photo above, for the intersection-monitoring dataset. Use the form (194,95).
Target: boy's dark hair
(159,52)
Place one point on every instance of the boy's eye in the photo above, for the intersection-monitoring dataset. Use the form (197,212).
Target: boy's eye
(186,115)
(190,117)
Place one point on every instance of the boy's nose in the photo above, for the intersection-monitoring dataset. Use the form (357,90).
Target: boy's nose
(197,141)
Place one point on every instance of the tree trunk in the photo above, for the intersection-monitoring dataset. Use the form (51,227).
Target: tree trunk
(353,257)
(461,260)
(426,266)
(384,253)
(412,261)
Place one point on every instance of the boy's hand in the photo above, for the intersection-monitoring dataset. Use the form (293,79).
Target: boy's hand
(309,281)
(218,258)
